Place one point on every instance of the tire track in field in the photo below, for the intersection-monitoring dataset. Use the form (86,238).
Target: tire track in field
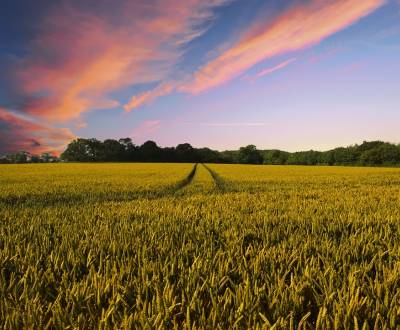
(52,200)
(186,181)
(219,181)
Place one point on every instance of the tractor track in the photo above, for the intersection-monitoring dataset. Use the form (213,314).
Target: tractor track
(55,200)
(219,181)
(187,180)
(51,200)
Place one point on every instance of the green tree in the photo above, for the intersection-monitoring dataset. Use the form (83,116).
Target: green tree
(82,150)
(150,151)
(186,153)
(45,157)
(113,150)
(250,155)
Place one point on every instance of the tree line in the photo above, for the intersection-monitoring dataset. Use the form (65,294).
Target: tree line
(374,153)
(23,157)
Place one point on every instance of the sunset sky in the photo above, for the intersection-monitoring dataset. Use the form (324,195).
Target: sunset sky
(294,75)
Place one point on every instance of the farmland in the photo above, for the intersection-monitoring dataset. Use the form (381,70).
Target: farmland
(163,246)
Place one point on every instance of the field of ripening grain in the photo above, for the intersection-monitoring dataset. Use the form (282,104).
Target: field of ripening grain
(164,246)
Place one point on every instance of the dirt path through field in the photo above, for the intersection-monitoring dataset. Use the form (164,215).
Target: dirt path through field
(187,180)
(219,182)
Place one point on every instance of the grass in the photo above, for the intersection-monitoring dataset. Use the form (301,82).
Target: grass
(102,246)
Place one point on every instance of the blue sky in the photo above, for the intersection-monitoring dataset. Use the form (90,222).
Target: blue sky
(296,76)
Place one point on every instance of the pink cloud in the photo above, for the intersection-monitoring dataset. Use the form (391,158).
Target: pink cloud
(80,57)
(273,69)
(146,128)
(299,27)
(230,124)
(302,26)
(149,96)
(314,58)
(355,66)
(20,133)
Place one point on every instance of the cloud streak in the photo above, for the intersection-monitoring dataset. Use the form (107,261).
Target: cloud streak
(146,128)
(93,55)
(244,124)
(19,133)
(301,26)
(275,68)
(149,96)
(80,54)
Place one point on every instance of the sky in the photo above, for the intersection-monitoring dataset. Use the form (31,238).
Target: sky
(291,75)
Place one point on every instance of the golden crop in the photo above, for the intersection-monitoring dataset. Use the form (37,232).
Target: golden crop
(102,246)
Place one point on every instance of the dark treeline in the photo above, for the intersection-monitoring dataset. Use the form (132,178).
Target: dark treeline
(374,153)
(23,157)
(124,150)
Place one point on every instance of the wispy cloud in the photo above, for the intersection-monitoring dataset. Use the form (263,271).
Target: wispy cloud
(149,96)
(270,70)
(227,124)
(143,46)
(303,25)
(146,128)
(80,54)
(23,133)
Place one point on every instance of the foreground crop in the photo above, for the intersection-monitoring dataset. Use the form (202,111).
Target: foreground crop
(229,246)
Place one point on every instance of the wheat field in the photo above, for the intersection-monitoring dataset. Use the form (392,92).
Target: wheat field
(185,246)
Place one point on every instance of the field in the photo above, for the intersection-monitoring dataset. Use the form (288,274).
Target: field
(163,246)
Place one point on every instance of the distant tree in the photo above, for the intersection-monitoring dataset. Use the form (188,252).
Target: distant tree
(186,153)
(369,145)
(113,150)
(276,157)
(381,154)
(126,143)
(312,157)
(36,159)
(328,158)
(76,151)
(96,150)
(45,157)
(130,150)
(296,158)
(168,154)
(150,151)
(230,156)
(4,160)
(345,156)
(250,155)
(390,153)
(206,155)
(20,157)
(84,150)
(371,157)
